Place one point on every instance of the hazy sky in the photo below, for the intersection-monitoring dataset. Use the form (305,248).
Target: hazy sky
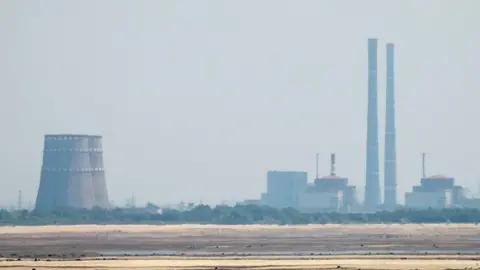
(196,100)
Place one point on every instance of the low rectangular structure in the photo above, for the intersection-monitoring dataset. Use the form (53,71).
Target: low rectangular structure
(424,200)
(312,201)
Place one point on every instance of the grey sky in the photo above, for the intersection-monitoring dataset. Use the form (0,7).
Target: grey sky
(196,100)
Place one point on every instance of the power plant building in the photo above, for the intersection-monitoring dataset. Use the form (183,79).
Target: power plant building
(284,187)
(425,200)
(72,174)
(435,192)
(314,201)
(330,193)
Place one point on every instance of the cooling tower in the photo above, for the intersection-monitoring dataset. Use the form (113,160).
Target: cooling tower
(390,195)
(372,181)
(66,177)
(98,173)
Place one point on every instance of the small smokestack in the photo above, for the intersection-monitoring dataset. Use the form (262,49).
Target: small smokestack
(332,164)
(316,168)
(424,175)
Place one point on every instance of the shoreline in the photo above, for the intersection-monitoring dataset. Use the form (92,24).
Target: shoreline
(249,257)
(431,262)
(242,242)
(316,255)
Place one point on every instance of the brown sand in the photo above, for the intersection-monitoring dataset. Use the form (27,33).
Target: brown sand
(298,262)
(71,243)
(248,238)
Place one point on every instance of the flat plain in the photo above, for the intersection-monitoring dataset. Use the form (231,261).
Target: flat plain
(379,246)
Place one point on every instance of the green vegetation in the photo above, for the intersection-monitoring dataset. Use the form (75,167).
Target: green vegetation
(240,214)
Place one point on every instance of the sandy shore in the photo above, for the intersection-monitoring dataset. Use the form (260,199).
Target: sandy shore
(297,262)
(448,246)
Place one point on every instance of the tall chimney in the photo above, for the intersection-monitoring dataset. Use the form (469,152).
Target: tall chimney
(390,176)
(332,164)
(372,183)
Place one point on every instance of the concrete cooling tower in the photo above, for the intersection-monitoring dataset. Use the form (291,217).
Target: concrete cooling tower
(68,178)
(98,171)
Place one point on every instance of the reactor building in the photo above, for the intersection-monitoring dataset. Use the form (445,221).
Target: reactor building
(72,173)
(436,192)
(330,193)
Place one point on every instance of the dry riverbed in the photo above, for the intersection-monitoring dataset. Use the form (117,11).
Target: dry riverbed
(405,246)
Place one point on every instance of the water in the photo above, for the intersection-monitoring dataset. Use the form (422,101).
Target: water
(281,253)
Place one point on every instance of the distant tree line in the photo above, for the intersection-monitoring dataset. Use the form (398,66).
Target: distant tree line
(239,214)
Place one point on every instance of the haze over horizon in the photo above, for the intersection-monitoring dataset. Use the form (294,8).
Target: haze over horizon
(197,100)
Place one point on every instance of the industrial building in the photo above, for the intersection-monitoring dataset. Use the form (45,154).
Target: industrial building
(333,193)
(330,193)
(316,201)
(250,202)
(473,203)
(435,192)
(72,173)
(284,187)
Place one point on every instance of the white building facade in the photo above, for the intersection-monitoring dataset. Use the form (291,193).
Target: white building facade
(424,200)
(312,201)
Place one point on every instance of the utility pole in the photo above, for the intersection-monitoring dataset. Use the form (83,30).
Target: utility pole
(424,174)
(19,202)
